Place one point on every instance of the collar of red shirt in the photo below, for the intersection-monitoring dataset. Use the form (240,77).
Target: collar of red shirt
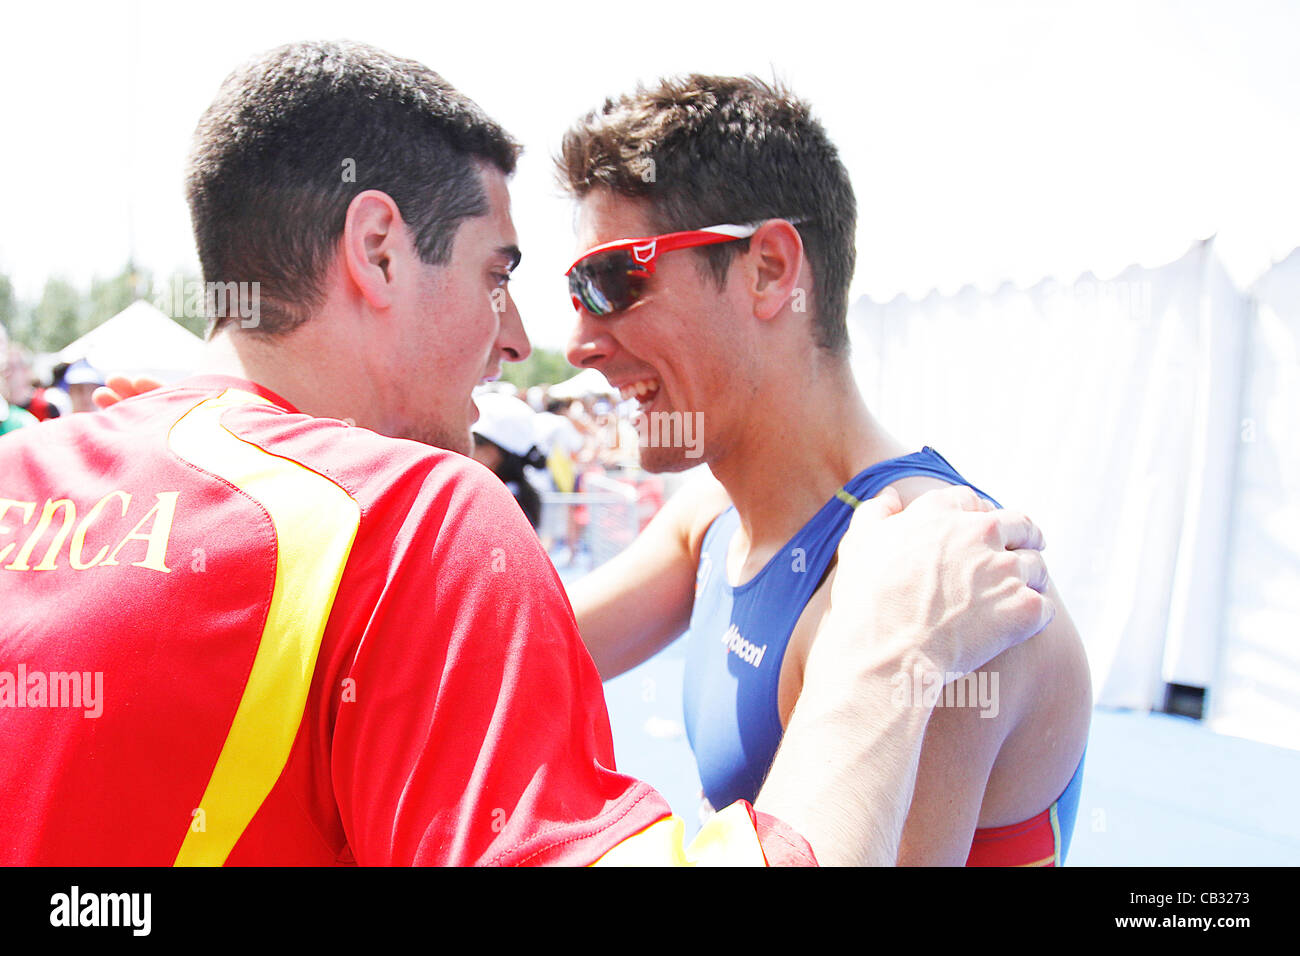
(214,382)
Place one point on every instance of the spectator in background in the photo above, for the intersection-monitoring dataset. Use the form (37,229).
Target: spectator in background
(25,389)
(15,376)
(80,381)
(55,393)
(505,441)
(11,416)
(560,442)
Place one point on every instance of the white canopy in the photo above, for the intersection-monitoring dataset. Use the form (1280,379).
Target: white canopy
(139,340)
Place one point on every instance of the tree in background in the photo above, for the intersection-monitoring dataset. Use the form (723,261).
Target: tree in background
(164,294)
(64,313)
(8,304)
(542,367)
(57,318)
(108,297)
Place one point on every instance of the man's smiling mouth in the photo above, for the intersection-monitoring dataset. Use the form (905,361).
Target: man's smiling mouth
(644,390)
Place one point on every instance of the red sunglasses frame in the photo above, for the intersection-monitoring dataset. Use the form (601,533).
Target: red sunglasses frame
(646,249)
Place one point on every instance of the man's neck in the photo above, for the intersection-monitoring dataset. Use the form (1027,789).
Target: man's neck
(796,451)
(308,377)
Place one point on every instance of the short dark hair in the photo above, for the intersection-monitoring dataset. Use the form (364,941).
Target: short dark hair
(707,150)
(268,182)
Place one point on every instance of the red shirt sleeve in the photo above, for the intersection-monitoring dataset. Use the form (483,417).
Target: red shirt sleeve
(476,732)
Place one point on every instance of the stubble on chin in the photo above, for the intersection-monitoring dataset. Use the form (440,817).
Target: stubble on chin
(439,436)
(661,461)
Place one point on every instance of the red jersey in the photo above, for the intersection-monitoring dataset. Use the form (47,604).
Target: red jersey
(233,633)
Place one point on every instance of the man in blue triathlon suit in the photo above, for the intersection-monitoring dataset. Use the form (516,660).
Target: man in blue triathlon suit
(716,247)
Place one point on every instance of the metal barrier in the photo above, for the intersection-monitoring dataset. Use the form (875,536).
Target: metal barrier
(589,527)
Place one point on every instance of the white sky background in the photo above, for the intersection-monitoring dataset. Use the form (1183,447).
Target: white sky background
(986,141)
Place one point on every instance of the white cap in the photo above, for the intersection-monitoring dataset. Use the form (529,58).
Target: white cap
(506,422)
(82,372)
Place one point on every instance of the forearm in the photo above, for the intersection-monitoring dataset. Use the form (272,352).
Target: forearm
(844,775)
(618,634)
(631,608)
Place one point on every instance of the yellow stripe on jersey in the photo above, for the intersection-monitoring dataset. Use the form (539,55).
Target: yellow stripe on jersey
(315,523)
(728,839)
(1056,833)
(1055,858)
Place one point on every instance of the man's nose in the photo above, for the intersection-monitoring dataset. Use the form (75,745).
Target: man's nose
(590,342)
(513,339)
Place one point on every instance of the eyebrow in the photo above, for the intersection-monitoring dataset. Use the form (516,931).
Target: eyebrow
(511,253)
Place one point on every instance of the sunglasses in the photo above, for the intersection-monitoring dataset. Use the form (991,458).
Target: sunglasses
(611,277)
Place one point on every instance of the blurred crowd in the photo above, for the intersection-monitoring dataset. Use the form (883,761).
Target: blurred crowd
(27,397)
(576,456)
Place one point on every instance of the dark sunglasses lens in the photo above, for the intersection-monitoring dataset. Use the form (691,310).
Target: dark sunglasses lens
(607,283)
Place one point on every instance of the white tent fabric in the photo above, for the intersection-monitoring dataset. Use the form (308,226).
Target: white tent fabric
(139,340)
(1110,412)
(1255,694)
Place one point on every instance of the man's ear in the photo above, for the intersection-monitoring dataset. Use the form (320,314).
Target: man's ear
(374,247)
(776,260)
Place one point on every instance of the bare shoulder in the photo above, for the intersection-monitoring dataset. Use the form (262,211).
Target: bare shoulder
(1003,743)
(1031,723)
(694,507)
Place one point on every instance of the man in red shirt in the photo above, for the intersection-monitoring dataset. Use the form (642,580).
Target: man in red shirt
(248,620)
